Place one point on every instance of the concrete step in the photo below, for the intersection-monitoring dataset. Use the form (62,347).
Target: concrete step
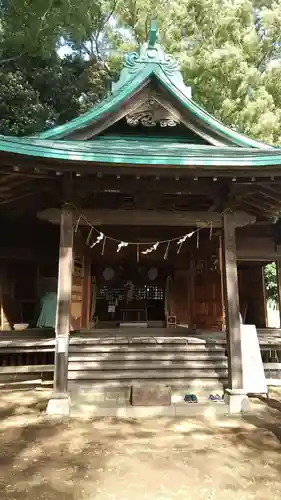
(143,365)
(151,374)
(147,356)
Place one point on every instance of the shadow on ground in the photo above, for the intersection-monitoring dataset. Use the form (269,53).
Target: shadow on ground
(131,460)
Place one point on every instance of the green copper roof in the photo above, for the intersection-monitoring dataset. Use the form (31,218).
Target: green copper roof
(152,65)
(131,151)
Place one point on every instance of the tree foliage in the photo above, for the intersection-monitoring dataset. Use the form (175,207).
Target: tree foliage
(229,50)
(270,278)
(37,87)
(230,53)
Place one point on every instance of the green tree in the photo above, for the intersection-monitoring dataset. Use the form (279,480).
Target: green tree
(37,92)
(270,278)
(38,89)
(229,51)
(20,108)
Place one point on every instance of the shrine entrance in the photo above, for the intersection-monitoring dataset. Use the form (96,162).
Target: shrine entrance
(130,293)
(133,286)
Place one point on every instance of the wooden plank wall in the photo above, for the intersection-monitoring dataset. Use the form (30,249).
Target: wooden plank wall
(81,285)
(208,305)
(196,298)
(181,296)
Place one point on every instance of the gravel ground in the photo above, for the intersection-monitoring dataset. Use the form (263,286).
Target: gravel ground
(194,458)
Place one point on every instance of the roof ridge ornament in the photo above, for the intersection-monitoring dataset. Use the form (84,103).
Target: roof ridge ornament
(153,34)
(151,53)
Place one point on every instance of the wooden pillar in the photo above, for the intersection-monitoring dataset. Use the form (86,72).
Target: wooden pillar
(231,304)
(63,300)
(86,305)
(278,272)
(59,403)
(192,292)
(221,267)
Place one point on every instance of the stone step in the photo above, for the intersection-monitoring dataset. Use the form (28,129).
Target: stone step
(26,369)
(152,374)
(26,350)
(145,341)
(20,384)
(143,365)
(180,387)
(145,348)
(25,343)
(134,330)
(208,410)
(147,356)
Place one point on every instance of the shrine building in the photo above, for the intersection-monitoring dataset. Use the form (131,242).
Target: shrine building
(145,217)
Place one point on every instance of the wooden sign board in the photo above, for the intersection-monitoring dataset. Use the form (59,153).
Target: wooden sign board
(254,380)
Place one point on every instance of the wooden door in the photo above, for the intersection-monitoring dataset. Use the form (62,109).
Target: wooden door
(180,296)
(207,312)
(77,293)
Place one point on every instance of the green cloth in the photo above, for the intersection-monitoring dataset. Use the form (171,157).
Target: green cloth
(47,316)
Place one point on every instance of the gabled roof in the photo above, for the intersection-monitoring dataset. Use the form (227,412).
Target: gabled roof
(133,151)
(150,69)
(153,64)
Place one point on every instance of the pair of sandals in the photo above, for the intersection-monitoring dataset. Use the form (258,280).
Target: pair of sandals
(190,398)
(216,398)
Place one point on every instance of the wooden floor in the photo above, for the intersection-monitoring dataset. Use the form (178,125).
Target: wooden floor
(45,336)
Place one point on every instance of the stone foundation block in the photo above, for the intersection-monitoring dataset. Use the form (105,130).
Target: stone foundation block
(237,401)
(151,395)
(59,405)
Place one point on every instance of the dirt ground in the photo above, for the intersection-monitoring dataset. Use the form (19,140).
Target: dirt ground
(159,459)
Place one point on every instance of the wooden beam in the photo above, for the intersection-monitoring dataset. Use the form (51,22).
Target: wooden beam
(231,303)
(192,297)
(265,187)
(149,218)
(26,174)
(258,249)
(274,190)
(261,201)
(12,199)
(63,300)
(8,176)
(126,184)
(274,200)
(131,104)
(9,186)
(278,269)
(258,209)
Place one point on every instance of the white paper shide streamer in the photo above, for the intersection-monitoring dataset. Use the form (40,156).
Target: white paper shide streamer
(122,244)
(98,240)
(181,241)
(151,249)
